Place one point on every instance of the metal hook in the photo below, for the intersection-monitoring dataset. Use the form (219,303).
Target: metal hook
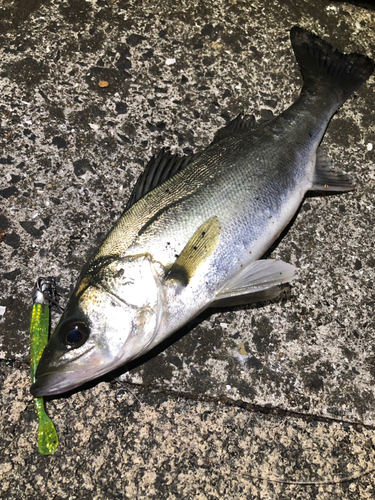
(45,292)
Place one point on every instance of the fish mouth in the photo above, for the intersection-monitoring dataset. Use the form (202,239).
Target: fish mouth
(52,381)
(53,384)
(52,378)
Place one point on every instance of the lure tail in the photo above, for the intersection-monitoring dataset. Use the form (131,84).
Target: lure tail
(39,329)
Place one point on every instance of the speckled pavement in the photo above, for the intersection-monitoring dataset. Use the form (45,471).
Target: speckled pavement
(282,390)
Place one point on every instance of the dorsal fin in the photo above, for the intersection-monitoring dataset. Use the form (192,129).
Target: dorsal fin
(160,168)
(238,124)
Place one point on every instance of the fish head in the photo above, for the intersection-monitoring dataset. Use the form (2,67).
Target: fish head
(111,318)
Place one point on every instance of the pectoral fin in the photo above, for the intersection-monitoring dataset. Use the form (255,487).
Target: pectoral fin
(261,280)
(200,246)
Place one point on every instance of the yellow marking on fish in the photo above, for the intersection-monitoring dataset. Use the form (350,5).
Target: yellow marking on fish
(200,246)
(82,286)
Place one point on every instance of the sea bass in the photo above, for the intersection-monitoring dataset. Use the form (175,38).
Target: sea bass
(195,228)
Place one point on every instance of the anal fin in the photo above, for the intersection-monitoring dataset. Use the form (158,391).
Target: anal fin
(326,178)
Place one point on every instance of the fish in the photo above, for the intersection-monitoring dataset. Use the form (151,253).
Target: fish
(196,227)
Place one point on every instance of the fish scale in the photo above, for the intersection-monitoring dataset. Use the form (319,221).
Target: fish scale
(232,195)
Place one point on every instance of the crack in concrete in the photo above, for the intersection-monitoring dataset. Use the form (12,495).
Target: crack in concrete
(234,403)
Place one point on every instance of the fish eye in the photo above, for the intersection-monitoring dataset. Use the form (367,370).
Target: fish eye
(74,334)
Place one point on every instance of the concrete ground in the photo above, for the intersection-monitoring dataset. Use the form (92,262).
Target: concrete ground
(282,390)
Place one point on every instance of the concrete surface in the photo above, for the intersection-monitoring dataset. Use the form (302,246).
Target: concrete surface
(278,390)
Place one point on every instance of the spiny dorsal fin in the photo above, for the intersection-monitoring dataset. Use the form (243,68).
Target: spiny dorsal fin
(326,178)
(160,168)
(200,246)
(238,124)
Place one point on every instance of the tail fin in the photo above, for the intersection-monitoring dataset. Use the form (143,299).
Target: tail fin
(318,61)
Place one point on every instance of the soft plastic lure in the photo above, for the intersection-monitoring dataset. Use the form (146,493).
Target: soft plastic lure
(43,295)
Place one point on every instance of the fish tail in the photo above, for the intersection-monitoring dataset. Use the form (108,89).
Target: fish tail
(321,64)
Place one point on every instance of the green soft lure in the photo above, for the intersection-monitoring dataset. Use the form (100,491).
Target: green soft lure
(39,329)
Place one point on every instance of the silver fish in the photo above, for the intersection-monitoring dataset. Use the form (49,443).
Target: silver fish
(195,228)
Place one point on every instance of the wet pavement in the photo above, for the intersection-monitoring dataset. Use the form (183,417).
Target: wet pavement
(243,397)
